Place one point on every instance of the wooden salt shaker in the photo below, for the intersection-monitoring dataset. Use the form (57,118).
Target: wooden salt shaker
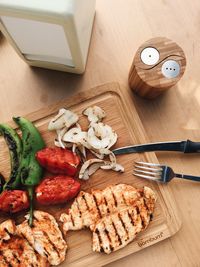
(158,65)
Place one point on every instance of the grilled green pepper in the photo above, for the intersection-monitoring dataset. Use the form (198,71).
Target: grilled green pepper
(30,172)
(2,182)
(15,149)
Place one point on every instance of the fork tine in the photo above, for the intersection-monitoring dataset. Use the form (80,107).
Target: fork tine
(146,172)
(146,177)
(147,163)
(148,168)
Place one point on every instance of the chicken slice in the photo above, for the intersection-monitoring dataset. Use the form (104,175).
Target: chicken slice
(7,229)
(15,250)
(116,230)
(45,237)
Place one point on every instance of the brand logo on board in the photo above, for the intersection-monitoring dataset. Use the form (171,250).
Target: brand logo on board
(142,243)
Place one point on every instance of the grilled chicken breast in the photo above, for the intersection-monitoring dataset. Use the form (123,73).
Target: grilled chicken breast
(15,251)
(39,246)
(88,208)
(115,215)
(116,230)
(45,237)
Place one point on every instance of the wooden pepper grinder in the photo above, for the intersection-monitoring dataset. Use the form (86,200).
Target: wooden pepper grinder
(158,65)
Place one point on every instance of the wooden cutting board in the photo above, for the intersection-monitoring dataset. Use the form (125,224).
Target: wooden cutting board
(126,123)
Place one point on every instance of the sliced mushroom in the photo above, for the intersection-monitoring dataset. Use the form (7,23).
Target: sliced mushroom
(112,164)
(97,154)
(57,143)
(60,134)
(109,166)
(101,136)
(82,150)
(94,114)
(74,135)
(64,118)
(89,167)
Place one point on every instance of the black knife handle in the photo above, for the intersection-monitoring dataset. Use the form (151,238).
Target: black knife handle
(191,147)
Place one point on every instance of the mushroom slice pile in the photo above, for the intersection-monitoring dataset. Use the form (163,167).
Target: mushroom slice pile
(98,139)
(94,114)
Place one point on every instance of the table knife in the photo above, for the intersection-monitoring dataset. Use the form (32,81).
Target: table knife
(181,146)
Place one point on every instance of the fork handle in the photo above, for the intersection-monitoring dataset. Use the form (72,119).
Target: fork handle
(188,177)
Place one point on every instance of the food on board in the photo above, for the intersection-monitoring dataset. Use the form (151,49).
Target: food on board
(94,114)
(111,205)
(13,201)
(39,246)
(15,150)
(30,172)
(56,190)
(58,160)
(97,139)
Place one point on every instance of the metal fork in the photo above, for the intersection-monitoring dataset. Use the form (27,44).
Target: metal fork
(160,173)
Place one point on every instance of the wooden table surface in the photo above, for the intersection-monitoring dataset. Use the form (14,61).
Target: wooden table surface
(120,28)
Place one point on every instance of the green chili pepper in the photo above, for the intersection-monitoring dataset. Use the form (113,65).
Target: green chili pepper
(30,172)
(15,149)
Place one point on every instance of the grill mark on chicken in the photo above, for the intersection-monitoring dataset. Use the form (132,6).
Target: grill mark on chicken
(79,210)
(130,217)
(17,259)
(6,230)
(145,204)
(107,207)
(10,258)
(114,197)
(123,224)
(72,219)
(52,244)
(107,233)
(97,206)
(35,251)
(125,200)
(99,239)
(116,233)
(137,210)
(83,196)
(5,259)
(105,240)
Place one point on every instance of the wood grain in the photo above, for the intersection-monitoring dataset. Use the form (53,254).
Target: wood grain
(120,28)
(166,221)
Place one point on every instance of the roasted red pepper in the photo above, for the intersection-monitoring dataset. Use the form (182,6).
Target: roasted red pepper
(58,160)
(56,190)
(13,201)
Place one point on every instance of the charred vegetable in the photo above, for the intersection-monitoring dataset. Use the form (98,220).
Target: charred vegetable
(30,171)
(2,182)
(58,160)
(15,149)
(56,190)
(13,201)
